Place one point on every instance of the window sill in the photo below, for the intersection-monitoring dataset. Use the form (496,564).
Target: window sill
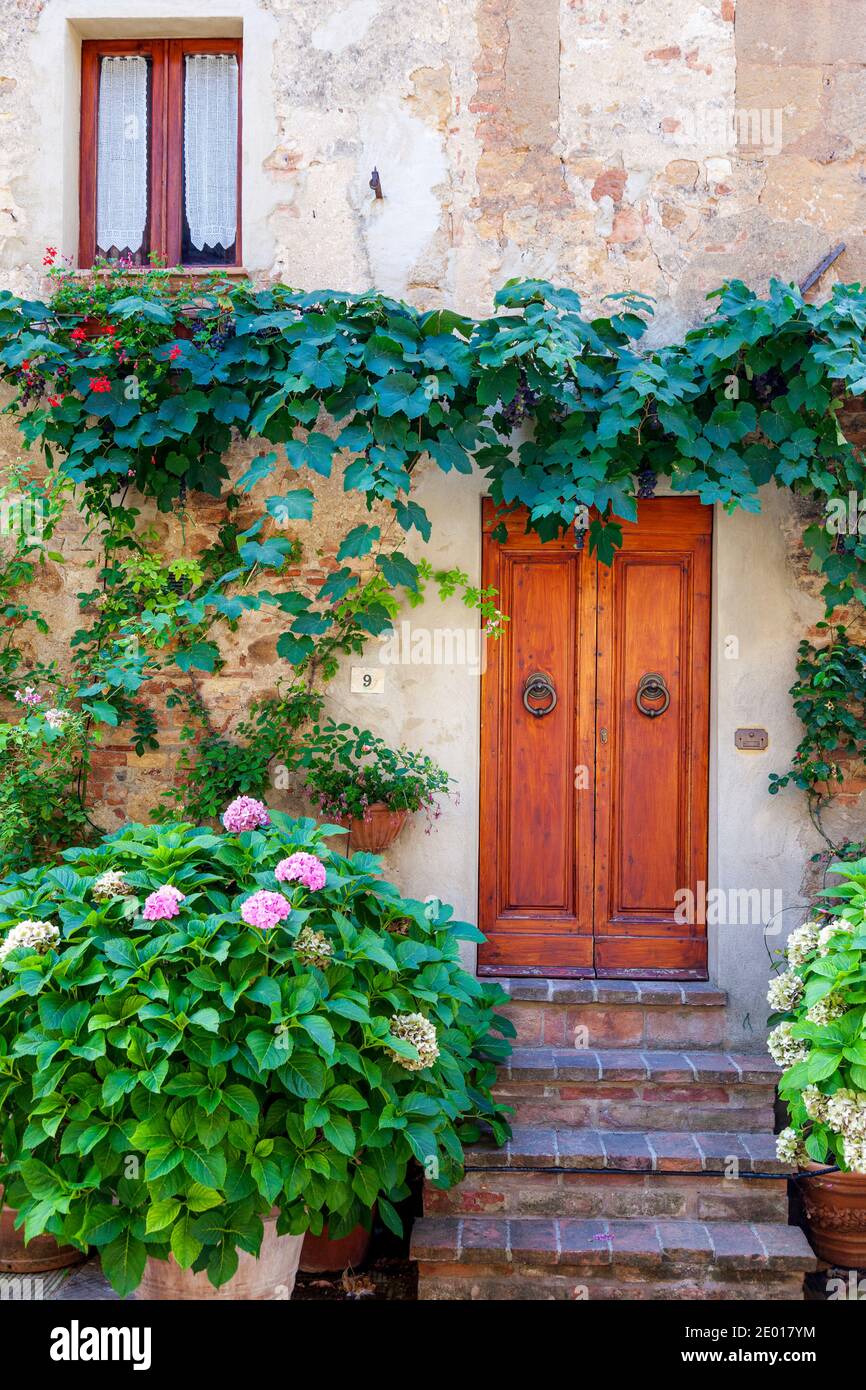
(191,272)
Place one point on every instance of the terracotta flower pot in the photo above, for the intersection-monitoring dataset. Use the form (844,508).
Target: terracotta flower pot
(377,830)
(272,1275)
(321,1255)
(41,1254)
(835,1206)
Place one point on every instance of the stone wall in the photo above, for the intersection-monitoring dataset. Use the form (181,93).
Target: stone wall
(655,145)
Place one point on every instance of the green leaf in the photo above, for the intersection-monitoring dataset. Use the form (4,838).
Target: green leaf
(296,505)
(223,1264)
(208,1168)
(101,712)
(305,1075)
(316,452)
(320,1031)
(118,1084)
(389,1216)
(208,1019)
(260,468)
(161,1214)
(397,569)
(184,1246)
(203,656)
(359,541)
(241,1100)
(123,1262)
(339,1132)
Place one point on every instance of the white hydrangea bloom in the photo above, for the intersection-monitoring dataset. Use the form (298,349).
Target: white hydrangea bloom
(789,1147)
(38,936)
(831,1007)
(846,1114)
(314,948)
(815,1102)
(111,884)
(855,1154)
(801,943)
(420,1032)
(785,991)
(784,1049)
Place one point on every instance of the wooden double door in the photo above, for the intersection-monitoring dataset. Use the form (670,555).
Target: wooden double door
(594,739)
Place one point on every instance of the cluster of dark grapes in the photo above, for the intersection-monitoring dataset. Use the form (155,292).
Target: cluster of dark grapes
(214,334)
(647,481)
(521,405)
(846,545)
(32,386)
(768,385)
(225,329)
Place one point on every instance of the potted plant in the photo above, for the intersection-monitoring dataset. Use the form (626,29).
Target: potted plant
(819,1039)
(211,1043)
(360,782)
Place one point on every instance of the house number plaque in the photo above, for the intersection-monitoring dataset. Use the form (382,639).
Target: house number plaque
(367,680)
(751,740)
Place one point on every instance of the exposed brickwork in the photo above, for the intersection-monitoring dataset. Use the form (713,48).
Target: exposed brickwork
(518,172)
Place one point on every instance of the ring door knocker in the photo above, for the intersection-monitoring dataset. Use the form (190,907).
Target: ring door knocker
(652,687)
(538,686)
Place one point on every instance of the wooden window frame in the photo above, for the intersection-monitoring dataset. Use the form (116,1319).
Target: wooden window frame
(165,134)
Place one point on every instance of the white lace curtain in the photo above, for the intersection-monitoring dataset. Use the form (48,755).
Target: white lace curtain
(121,172)
(211,148)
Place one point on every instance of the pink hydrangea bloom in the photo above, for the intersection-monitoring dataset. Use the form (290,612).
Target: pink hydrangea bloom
(163,903)
(265,910)
(301,868)
(28,696)
(245,813)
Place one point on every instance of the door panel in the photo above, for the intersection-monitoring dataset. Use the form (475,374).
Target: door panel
(536,861)
(651,833)
(595,814)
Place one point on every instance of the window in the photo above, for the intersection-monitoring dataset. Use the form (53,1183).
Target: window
(160,151)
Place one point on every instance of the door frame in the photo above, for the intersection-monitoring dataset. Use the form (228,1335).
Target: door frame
(594,590)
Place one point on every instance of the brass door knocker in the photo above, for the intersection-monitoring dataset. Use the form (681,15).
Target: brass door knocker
(652,687)
(538,686)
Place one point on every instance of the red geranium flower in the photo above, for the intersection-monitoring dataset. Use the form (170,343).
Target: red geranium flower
(173,353)
(78,335)
(55,400)
(100,384)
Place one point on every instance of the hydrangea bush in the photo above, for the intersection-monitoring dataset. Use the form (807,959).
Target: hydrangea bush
(198,1027)
(819,1037)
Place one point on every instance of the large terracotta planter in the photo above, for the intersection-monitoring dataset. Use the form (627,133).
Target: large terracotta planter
(40,1255)
(377,831)
(835,1206)
(321,1255)
(271,1276)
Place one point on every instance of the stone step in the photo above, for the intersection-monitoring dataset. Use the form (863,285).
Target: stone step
(528,1257)
(631,1089)
(694,1176)
(615,1013)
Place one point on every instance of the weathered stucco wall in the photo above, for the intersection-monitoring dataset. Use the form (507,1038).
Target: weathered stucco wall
(659,145)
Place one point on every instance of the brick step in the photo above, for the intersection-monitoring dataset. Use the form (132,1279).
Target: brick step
(681,1176)
(615,1013)
(529,1257)
(630,1089)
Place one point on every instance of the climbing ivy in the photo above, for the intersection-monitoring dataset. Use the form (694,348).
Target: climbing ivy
(138,386)
(830,701)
